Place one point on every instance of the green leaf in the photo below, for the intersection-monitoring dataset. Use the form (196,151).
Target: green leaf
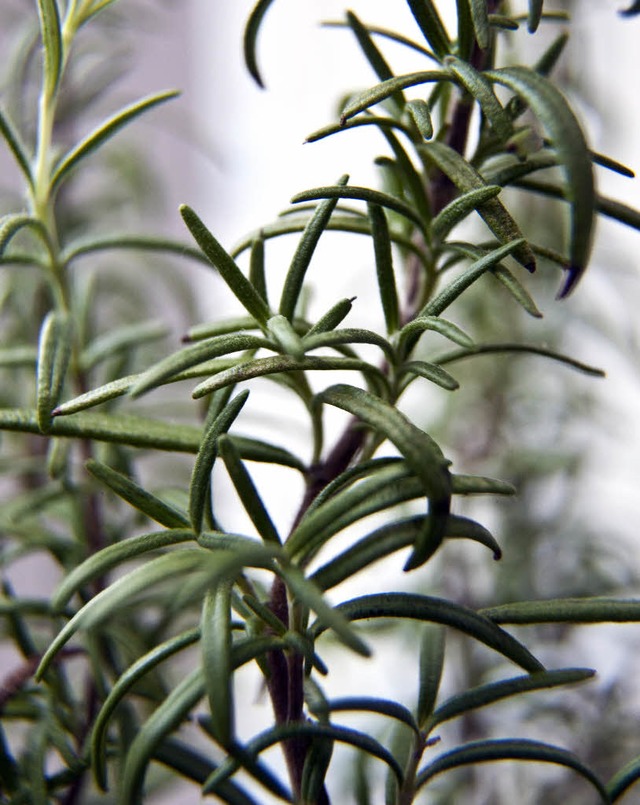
(420,451)
(12,223)
(481,90)
(386,89)
(304,252)
(374,57)
(363,194)
(531,349)
(299,731)
(52,44)
(164,720)
(438,325)
(122,686)
(551,108)
(103,133)
(535,14)
(629,774)
(493,212)
(332,318)
(308,594)
(16,146)
(457,210)
(251,31)
(145,243)
(484,695)
(246,294)
(110,391)
(395,536)
(480,19)
(54,352)
(432,642)
(431,372)
(452,291)
(316,765)
(118,594)
(282,332)
(426,16)
(567,610)
(437,610)
(200,485)
(247,491)
(516,289)
(137,496)
(509,749)
(348,335)
(193,355)
(217,664)
(384,267)
(136,431)
(421,114)
(256,268)
(371,704)
(262,367)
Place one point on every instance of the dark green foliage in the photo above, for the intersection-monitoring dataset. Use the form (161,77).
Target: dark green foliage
(160,604)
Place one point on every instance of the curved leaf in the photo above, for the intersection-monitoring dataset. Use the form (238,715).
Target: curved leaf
(12,223)
(431,372)
(457,210)
(551,108)
(251,31)
(386,89)
(200,485)
(629,774)
(481,90)
(16,146)
(304,252)
(437,610)
(103,133)
(420,451)
(122,686)
(387,539)
(509,749)
(484,695)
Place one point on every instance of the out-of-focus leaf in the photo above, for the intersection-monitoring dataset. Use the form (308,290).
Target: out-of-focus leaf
(122,686)
(567,610)
(420,451)
(437,610)
(103,133)
(136,431)
(54,351)
(216,641)
(509,749)
(634,8)
(432,642)
(137,496)
(144,243)
(122,339)
(535,14)
(52,44)
(12,223)
(531,349)
(251,31)
(16,146)
(551,108)
(629,774)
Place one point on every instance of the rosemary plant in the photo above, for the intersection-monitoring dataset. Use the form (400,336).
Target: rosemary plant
(124,678)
